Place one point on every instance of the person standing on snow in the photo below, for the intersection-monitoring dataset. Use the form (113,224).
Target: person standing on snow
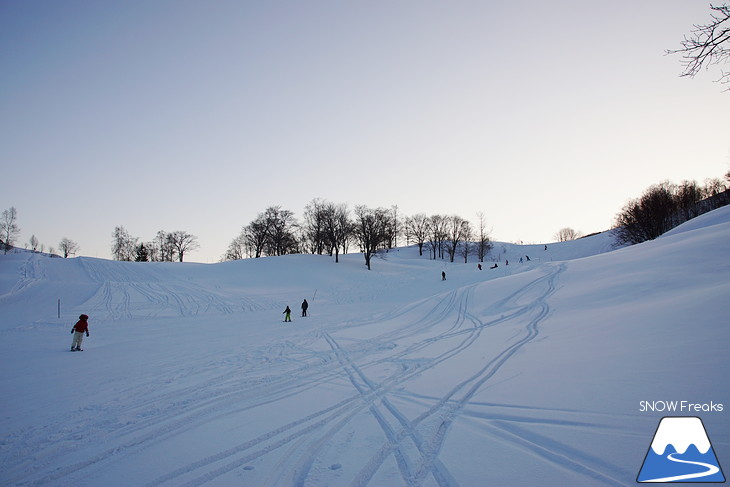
(305,305)
(78,330)
(287,314)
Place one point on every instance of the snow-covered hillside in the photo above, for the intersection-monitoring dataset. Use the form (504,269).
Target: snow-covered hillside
(528,374)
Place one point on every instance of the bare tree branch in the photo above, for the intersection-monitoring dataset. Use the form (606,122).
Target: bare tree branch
(708,44)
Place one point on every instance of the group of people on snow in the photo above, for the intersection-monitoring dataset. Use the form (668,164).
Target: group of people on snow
(81,327)
(287,311)
(506,262)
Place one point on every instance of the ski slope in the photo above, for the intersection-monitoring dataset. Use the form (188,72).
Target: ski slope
(527,374)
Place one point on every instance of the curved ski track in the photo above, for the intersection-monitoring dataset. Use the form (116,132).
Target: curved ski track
(281,372)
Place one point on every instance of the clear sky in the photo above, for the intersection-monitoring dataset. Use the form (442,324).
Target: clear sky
(198,115)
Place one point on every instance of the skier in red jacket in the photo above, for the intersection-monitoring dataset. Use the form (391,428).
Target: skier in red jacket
(81,327)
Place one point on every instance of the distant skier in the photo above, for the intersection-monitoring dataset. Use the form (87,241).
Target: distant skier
(546,247)
(78,330)
(494,266)
(287,314)
(443,275)
(479,266)
(527,257)
(305,305)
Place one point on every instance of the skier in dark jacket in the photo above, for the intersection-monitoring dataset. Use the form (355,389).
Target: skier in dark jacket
(78,330)
(305,305)
(287,314)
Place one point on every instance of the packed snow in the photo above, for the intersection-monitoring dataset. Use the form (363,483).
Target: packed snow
(532,373)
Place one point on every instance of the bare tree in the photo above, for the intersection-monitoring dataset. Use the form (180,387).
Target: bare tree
(708,44)
(314,231)
(371,229)
(33,243)
(280,227)
(456,227)
(183,242)
(68,247)
(273,232)
(466,246)
(437,234)
(256,235)
(346,227)
(686,196)
(161,249)
(237,248)
(337,227)
(417,230)
(566,234)
(9,229)
(123,245)
(392,227)
(483,244)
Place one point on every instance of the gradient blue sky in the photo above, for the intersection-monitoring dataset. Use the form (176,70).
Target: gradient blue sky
(197,115)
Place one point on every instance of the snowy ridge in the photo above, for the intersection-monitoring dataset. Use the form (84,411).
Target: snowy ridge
(494,377)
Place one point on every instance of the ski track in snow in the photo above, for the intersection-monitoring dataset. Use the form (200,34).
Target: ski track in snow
(118,297)
(147,418)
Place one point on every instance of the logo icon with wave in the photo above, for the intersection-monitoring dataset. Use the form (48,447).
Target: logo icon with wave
(681,452)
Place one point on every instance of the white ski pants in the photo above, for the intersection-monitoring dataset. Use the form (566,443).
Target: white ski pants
(78,338)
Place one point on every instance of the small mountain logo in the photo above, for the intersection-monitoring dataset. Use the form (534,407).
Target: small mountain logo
(680,452)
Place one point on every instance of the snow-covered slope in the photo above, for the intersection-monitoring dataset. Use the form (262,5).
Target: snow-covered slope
(528,374)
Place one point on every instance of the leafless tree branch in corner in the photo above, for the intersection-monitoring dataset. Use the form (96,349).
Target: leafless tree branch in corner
(707,45)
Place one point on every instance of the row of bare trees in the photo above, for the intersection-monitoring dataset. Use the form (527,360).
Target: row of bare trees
(165,247)
(452,235)
(9,231)
(666,205)
(329,228)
